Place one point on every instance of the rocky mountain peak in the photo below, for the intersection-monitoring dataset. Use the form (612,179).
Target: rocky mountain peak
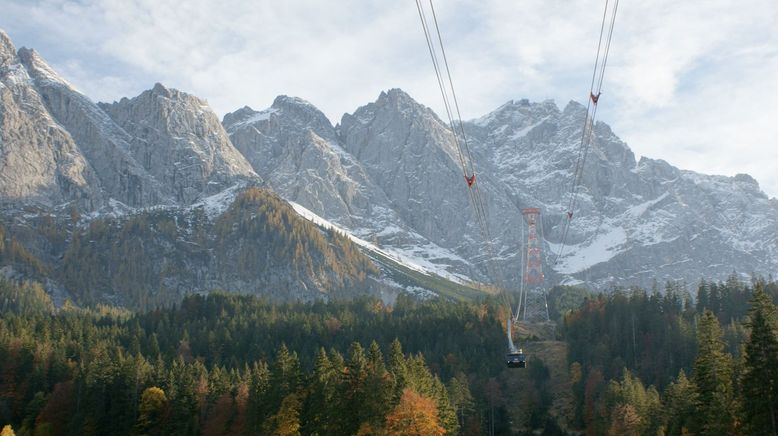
(746,179)
(160,89)
(176,96)
(294,111)
(288,112)
(7,50)
(285,101)
(396,108)
(180,141)
(517,114)
(400,102)
(397,95)
(574,108)
(38,67)
(238,116)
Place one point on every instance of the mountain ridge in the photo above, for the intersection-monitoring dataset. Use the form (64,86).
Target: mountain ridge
(389,173)
(524,153)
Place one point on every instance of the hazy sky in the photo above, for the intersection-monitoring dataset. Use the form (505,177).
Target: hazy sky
(694,82)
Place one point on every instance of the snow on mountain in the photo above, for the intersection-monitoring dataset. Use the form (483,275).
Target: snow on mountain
(388,174)
(634,221)
(295,148)
(408,258)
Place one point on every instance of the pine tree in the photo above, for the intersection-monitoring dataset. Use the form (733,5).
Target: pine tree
(759,382)
(354,389)
(323,399)
(285,375)
(287,421)
(680,400)
(713,378)
(397,369)
(378,387)
(259,389)
(461,398)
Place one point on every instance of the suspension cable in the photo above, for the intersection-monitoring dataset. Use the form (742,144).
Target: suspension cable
(587,133)
(456,125)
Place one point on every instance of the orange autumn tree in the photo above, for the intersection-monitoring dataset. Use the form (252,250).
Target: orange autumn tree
(414,415)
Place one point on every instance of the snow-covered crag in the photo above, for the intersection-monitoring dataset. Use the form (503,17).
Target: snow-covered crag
(636,221)
(389,172)
(305,159)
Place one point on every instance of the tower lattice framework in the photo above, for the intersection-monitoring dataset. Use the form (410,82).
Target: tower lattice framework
(535,304)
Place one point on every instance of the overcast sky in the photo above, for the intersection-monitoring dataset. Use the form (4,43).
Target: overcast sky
(694,82)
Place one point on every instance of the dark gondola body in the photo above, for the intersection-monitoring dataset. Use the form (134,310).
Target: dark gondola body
(516,360)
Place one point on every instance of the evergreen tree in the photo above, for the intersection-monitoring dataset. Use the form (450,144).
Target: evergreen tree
(354,390)
(258,397)
(461,398)
(378,387)
(759,382)
(680,401)
(287,421)
(713,378)
(322,402)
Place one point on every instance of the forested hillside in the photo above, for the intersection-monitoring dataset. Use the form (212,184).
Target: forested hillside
(632,362)
(226,364)
(256,245)
(644,362)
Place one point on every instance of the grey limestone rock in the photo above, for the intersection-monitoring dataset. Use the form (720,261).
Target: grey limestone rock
(634,221)
(178,139)
(40,163)
(104,144)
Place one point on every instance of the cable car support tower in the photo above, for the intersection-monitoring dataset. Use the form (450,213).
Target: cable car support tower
(533,304)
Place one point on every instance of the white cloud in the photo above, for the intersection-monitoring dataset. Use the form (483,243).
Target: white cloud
(690,82)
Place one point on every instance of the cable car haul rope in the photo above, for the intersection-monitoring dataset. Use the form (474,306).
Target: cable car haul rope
(515,357)
(595,91)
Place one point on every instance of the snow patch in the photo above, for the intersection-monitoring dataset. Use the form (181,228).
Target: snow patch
(602,248)
(254,118)
(417,258)
(216,204)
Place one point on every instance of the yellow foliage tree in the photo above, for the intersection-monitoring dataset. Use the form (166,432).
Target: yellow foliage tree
(414,415)
(287,420)
(7,431)
(151,411)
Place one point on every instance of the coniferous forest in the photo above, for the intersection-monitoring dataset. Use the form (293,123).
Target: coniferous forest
(626,362)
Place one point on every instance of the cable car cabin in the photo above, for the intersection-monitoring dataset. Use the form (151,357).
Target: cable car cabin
(516,359)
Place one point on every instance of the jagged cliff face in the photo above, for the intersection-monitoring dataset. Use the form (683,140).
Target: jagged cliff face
(296,149)
(104,145)
(634,221)
(40,162)
(178,139)
(308,161)
(59,148)
(390,174)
